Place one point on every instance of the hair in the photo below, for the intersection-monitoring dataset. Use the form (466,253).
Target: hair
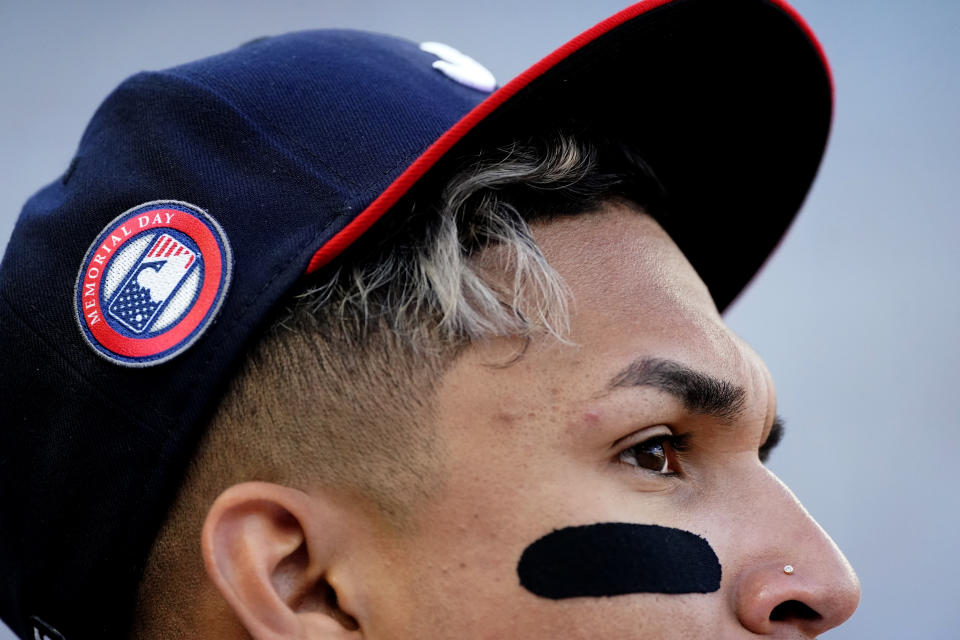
(338,390)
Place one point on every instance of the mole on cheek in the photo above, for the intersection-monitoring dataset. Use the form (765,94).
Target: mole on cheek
(617,558)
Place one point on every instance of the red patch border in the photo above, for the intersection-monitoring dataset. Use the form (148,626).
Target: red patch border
(215,252)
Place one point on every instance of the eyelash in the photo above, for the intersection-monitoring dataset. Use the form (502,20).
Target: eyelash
(773,439)
(673,445)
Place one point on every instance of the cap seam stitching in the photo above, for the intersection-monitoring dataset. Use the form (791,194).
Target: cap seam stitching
(278,144)
(270,139)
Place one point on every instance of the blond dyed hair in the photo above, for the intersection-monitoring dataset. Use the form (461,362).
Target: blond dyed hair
(338,391)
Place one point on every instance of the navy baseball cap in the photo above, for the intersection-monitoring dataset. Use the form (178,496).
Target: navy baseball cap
(200,195)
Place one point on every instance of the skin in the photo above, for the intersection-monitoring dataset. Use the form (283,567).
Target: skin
(545,443)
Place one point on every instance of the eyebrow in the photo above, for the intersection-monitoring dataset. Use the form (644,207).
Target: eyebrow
(699,392)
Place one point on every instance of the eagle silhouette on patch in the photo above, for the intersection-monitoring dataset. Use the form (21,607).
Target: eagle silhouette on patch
(152,282)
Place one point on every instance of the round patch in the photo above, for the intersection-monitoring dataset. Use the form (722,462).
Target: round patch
(152,282)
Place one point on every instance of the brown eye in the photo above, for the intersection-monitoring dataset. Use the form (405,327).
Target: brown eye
(650,454)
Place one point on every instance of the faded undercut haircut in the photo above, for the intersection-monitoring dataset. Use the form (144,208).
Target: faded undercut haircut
(338,391)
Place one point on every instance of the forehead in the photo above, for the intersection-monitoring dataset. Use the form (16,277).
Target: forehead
(633,289)
(633,296)
(620,245)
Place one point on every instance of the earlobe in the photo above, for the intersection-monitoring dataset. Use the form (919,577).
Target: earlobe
(263,552)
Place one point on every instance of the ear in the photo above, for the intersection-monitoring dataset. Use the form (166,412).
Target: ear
(277,556)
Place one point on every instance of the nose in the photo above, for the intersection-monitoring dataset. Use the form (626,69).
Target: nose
(797,578)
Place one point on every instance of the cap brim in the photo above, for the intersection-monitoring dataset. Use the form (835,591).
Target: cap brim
(729,102)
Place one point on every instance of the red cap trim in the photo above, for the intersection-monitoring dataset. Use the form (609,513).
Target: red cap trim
(348,235)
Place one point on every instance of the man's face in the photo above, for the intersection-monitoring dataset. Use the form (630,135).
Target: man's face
(653,414)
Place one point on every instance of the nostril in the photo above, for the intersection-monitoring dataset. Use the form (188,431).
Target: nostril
(793,610)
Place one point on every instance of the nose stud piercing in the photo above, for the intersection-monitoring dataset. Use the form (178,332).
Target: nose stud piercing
(788,569)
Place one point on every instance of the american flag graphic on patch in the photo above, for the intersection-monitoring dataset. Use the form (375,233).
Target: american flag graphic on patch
(151,283)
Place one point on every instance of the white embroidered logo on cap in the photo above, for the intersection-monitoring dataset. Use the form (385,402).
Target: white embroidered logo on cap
(460,67)
(43,631)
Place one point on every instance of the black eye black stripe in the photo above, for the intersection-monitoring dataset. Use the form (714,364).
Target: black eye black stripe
(617,558)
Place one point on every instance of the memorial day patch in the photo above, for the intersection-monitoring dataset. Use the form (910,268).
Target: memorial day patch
(152,282)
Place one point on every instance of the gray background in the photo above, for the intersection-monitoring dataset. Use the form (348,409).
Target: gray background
(856,314)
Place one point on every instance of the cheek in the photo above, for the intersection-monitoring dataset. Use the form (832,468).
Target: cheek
(615,558)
